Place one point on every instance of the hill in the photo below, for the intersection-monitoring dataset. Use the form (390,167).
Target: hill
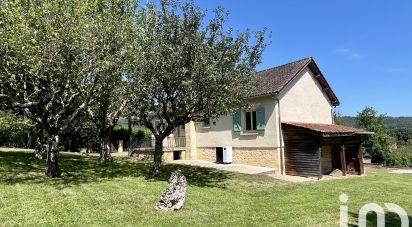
(390,122)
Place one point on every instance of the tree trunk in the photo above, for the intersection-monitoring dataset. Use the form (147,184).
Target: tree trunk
(29,139)
(105,149)
(158,154)
(52,169)
(129,145)
(39,150)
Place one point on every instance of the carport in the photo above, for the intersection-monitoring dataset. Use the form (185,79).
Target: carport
(314,150)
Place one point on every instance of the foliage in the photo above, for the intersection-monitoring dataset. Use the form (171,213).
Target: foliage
(389,122)
(59,57)
(121,133)
(48,70)
(111,33)
(14,129)
(338,118)
(82,134)
(403,135)
(377,145)
(401,157)
(43,50)
(120,194)
(185,68)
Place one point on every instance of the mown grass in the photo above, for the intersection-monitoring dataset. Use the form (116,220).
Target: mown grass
(121,193)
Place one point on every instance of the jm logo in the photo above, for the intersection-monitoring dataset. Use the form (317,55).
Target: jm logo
(372,207)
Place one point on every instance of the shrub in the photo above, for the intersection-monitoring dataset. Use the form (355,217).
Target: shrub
(401,157)
(121,133)
(14,130)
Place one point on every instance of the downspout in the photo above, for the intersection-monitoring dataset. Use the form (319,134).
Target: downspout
(281,146)
(331,112)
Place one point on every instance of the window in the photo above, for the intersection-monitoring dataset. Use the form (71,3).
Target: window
(206,123)
(250,121)
(179,131)
(203,123)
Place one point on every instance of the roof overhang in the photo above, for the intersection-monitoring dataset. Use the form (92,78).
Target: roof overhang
(328,130)
(323,83)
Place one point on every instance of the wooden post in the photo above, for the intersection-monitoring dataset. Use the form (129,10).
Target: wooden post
(320,161)
(343,159)
(362,170)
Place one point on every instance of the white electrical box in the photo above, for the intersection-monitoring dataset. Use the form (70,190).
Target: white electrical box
(227,155)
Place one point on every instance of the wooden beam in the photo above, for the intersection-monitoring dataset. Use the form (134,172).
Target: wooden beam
(320,161)
(362,170)
(343,159)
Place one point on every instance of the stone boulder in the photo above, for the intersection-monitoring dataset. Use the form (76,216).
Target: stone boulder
(173,198)
(336,173)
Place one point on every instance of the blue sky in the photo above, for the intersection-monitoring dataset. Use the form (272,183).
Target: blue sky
(364,48)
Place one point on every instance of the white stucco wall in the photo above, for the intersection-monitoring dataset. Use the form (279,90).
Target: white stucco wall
(222,134)
(303,100)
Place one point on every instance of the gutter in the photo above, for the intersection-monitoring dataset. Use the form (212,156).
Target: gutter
(281,145)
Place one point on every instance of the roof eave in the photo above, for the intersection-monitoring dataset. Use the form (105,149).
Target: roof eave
(323,82)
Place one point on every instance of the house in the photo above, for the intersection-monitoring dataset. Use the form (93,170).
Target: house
(289,127)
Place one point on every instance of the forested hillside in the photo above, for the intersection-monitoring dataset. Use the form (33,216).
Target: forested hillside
(390,122)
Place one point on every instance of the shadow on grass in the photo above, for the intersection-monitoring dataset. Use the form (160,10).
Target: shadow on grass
(391,219)
(22,168)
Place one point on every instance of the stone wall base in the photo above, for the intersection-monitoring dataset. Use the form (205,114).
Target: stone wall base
(256,156)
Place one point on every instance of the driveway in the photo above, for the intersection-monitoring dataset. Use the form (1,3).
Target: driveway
(248,169)
(228,167)
(401,171)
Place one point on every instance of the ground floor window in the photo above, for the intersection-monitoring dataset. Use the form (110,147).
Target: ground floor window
(250,121)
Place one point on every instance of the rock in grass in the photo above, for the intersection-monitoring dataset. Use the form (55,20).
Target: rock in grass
(173,198)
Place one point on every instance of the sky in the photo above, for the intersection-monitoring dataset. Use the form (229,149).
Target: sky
(363,48)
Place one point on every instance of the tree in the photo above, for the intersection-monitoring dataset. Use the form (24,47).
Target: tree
(182,69)
(111,33)
(337,118)
(45,71)
(377,145)
(403,135)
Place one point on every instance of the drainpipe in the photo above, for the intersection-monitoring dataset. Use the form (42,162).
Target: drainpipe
(331,112)
(282,148)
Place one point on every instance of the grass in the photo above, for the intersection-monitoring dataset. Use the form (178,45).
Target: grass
(121,193)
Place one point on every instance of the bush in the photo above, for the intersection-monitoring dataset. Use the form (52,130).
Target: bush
(13,137)
(401,157)
(85,135)
(14,130)
(121,133)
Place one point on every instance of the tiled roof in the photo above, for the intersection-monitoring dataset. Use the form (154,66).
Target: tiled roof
(327,128)
(273,80)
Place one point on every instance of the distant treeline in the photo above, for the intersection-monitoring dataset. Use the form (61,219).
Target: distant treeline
(390,122)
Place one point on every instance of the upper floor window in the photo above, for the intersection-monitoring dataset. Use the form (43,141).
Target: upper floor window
(206,123)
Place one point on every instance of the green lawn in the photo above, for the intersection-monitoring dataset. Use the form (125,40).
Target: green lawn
(120,193)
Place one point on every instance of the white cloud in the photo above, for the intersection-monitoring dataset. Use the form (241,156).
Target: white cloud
(350,53)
